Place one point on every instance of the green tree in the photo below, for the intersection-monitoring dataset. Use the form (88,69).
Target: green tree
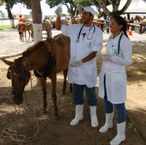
(100,4)
(104,3)
(27,3)
(92,3)
(9,4)
(70,4)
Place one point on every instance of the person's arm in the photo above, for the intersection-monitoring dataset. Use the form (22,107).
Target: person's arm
(126,54)
(89,57)
(58,19)
(58,23)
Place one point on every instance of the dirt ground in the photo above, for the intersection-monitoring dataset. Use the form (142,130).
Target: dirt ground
(36,128)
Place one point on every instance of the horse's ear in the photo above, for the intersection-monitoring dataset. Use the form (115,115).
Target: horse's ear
(7,62)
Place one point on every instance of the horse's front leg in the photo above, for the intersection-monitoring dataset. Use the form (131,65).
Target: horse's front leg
(28,35)
(25,38)
(54,96)
(65,72)
(21,36)
(43,82)
(31,33)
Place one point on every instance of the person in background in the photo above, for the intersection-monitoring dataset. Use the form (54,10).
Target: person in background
(131,20)
(21,19)
(107,21)
(112,78)
(143,25)
(86,41)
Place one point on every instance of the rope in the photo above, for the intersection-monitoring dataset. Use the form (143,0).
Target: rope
(17,137)
(13,134)
(30,71)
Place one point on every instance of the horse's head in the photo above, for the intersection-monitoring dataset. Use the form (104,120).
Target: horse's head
(21,27)
(19,78)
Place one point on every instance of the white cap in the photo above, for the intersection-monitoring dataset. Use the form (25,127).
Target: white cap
(89,9)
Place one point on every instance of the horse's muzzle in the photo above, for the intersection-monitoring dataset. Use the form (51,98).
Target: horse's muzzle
(18,99)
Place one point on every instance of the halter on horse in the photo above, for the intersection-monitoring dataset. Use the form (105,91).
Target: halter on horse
(46,58)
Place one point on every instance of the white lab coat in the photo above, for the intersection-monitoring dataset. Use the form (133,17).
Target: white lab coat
(86,74)
(115,70)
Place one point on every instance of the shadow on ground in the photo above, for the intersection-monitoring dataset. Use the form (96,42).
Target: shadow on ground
(29,120)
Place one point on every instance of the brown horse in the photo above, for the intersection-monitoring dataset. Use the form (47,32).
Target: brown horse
(27,26)
(46,58)
(23,28)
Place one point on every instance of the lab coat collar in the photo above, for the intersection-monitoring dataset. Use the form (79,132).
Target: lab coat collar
(112,37)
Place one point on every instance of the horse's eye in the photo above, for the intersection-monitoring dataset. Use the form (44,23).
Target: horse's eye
(9,70)
(14,73)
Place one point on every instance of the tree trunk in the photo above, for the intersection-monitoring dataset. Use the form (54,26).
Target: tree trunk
(115,5)
(37,23)
(10,16)
(37,20)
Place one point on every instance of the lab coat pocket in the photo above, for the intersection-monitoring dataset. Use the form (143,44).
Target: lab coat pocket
(89,43)
(73,74)
(118,85)
(74,70)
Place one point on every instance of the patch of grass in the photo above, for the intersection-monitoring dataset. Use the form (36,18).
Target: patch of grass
(5,26)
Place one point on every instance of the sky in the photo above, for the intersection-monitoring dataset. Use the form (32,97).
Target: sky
(21,9)
(136,5)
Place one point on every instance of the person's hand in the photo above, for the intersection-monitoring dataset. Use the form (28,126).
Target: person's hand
(58,11)
(76,63)
(106,57)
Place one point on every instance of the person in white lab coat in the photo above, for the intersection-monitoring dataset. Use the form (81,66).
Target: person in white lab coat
(86,41)
(112,78)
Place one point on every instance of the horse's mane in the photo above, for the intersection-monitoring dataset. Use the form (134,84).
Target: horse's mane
(29,50)
(18,63)
(39,45)
(34,47)
(42,44)
(18,60)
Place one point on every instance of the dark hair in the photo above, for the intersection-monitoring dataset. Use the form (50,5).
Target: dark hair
(121,21)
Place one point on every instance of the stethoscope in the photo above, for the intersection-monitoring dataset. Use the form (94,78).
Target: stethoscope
(93,26)
(118,43)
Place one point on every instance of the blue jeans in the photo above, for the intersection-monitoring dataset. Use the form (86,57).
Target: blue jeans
(78,95)
(121,110)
